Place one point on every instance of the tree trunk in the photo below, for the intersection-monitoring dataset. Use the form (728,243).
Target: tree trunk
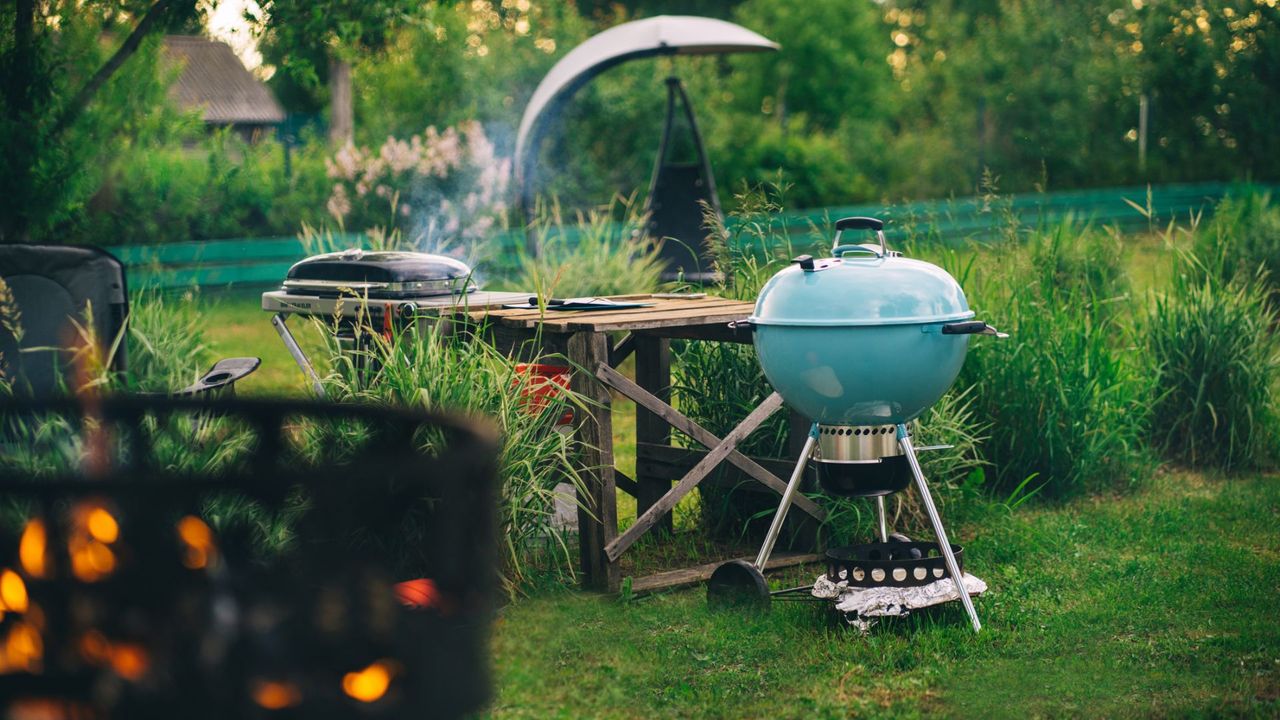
(341,115)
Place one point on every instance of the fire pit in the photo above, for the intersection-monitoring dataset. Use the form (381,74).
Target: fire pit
(861,343)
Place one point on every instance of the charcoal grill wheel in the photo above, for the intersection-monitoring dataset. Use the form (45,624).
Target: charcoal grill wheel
(737,584)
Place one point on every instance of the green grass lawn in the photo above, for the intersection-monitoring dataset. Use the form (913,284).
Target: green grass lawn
(1157,603)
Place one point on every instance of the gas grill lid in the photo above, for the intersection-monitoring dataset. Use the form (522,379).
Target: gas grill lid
(379,275)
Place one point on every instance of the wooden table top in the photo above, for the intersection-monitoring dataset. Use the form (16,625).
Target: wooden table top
(664,313)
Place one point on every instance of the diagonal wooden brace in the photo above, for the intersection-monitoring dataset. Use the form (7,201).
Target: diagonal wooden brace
(720,450)
(677,420)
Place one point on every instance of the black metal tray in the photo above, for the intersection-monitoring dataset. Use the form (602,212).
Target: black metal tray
(891,564)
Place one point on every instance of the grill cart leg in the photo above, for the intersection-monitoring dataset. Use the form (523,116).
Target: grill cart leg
(792,487)
(953,568)
(884,527)
(278,322)
(740,583)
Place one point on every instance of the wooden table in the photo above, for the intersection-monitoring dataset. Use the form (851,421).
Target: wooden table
(584,337)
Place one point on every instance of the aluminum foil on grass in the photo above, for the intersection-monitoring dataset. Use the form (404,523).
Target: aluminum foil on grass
(862,605)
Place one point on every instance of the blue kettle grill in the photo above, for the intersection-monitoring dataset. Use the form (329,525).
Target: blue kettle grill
(861,343)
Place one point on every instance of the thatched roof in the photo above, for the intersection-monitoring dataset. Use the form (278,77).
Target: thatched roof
(214,79)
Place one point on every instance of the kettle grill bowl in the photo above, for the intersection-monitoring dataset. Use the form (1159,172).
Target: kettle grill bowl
(860,374)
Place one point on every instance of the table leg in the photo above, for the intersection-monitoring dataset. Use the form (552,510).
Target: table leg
(653,373)
(598,511)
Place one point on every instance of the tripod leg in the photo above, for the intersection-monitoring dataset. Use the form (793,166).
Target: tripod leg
(794,485)
(953,568)
(884,527)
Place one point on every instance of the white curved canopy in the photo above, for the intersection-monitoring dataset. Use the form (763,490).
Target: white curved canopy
(661,35)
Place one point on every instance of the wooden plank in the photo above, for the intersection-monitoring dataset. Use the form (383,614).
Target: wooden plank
(691,479)
(682,423)
(683,316)
(673,462)
(653,373)
(717,332)
(605,320)
(622,350)
(712,317)
(598,509)
(673,579)
(659,307)
(624,483)
(533,312)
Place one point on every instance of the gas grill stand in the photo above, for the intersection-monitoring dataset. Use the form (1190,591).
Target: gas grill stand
(278,322)
(740,583)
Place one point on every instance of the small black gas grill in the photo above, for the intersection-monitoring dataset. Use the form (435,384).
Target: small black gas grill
(385,290)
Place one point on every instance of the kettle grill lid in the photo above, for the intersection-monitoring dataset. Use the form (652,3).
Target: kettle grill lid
(861,291)
(382,267)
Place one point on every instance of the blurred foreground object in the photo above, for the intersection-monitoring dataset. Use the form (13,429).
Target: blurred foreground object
(244,559)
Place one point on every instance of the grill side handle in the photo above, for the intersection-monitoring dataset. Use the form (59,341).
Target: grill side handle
(971,327)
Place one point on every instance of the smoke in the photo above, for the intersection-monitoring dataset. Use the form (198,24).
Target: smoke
(441,191)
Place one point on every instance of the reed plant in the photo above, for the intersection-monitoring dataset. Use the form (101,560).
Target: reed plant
(1215,354)
(1243,239)
(603,252)
(166,341)
(438,369)
(1067,395)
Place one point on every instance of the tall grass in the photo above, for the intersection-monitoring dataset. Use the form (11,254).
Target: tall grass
(1215,356)
(719,384)
(166,342)
(1245,234)
(442,370)
(604,253)
(1065,396)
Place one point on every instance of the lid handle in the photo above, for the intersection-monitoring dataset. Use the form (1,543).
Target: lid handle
(859,223)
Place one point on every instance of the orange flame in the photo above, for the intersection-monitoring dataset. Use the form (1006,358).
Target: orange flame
(13,592)
(101,525)
(129,661)
(198,538)
(31,548)
(94,647)
(369,684)
(21,650)
(273,695)
(90,560)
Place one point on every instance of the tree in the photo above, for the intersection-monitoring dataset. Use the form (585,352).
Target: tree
(316,41)
(52,116)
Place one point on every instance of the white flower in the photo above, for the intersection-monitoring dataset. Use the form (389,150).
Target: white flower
(339,204)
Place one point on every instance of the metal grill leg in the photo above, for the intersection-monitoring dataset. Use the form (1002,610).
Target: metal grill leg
(796,475)
(299,357)
(884,527)
(953,568)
